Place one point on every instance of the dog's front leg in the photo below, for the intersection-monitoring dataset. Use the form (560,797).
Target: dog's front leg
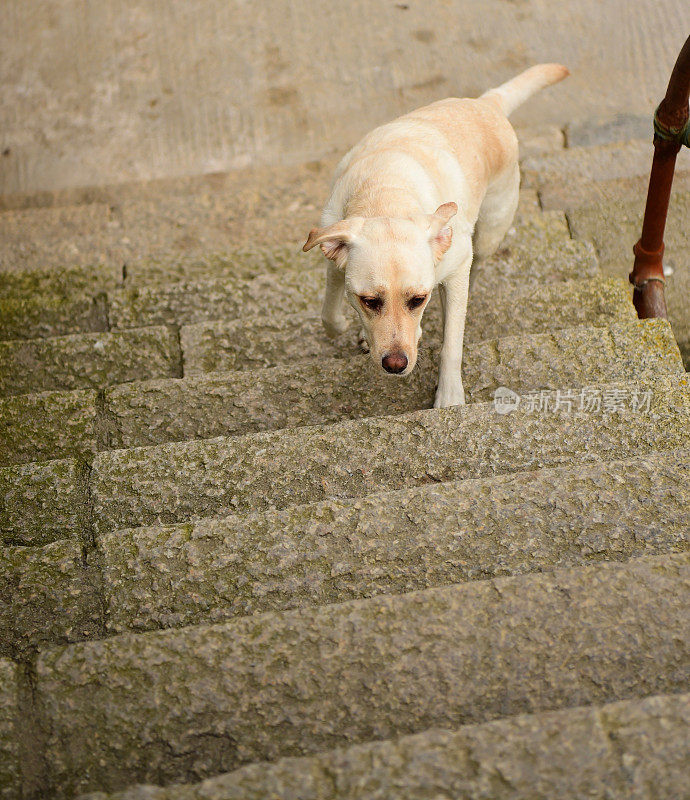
(450,390)
(334,321)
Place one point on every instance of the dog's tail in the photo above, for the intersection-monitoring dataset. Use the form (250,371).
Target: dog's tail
(513,93)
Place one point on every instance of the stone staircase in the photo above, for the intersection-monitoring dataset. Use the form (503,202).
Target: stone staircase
(227,541)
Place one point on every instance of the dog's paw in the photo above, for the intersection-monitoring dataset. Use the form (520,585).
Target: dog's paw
(451,394)
(362,341)
(335,327)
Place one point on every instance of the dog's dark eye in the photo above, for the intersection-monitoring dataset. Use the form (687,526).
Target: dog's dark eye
(372,303)
(416,302)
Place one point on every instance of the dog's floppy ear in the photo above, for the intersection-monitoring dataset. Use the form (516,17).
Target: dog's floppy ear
(440,234)
(335,239)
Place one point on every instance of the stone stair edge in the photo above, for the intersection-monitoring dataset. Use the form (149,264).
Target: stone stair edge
(294,396)
(171,299)
(59,423)
(588,281)
(617,749)
(392,542)
(357,456)
(100,278)
(102,416)
(59,491)
(65,591)
(60,592)
(568,627)
(98,360)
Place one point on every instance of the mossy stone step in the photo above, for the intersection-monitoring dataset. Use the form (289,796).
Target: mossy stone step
(40,303)
(272,339)
(627,749)
(49,425)
(614,224)
(176,482)
(536,251)
(43,501)
(88,360)
(10,774)
(48,594)
(315,393)
(394,542)
(58,425)
(138,708)
(243,284)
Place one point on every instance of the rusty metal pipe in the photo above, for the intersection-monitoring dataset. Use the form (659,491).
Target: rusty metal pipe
(671,132)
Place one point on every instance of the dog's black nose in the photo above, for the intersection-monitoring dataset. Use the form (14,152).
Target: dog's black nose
(394,362)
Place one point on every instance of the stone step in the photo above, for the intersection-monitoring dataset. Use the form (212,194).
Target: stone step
(146,225)
(165,229)
(50,425)
(538,251)
(176,482)
(578,168)
(10,771)
(138,708)
(44,501)
(338,550)
(394,542)
(58,424)
(315,393)
(88,360)
(55,302)
(222,345)
(627,749)
(45,303)
(257,195)
(559,195)
(614,224)
(48,594)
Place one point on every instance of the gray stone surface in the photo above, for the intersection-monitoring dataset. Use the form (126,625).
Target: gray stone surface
(10,780)
(175,482)
(222,345)
(621,127)
(580,166)
(55,238)
(629,750)
(42,502)
(557,194)
(318,392)
(396,542)
(47,594)
(651,740)
(87,360)
(614,224)
(48,425)
(182,705)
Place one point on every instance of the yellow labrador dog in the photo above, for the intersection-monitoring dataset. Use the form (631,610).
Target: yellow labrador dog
(413,205)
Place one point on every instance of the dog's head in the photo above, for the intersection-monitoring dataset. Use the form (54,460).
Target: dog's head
(389,267)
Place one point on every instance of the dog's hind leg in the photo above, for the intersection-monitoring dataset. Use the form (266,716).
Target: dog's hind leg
(495,217)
